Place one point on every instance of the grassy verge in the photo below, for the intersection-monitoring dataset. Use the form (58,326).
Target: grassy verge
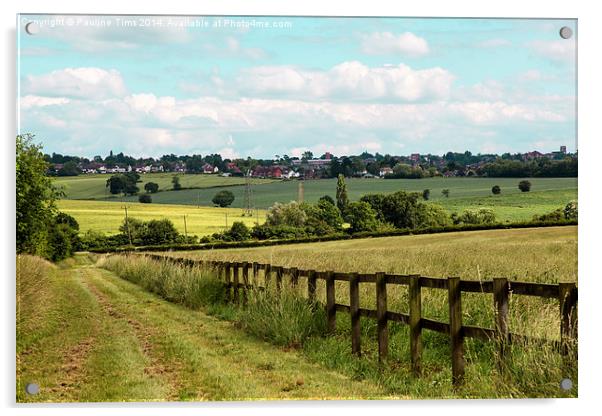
(288,319)
(103,338)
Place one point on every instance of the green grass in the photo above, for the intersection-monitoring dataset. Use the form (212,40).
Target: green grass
(530,370)
(108,216)
(94,186)
(83,334)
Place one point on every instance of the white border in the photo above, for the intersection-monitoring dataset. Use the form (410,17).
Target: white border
(590,152)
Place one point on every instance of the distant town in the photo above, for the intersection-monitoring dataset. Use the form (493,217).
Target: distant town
(308,166)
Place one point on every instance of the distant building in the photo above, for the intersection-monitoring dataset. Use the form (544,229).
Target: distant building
(415,157)
(563,149)
(385,171)
(209,168)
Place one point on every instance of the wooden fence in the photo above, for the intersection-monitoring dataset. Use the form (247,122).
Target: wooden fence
(236,276)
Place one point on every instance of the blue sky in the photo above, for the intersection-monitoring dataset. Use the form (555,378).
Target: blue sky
(265,86)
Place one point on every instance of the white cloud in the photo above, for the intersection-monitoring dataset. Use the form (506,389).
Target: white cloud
(30,101)
(83,83)
(555,50)
(386,43)
(348,80)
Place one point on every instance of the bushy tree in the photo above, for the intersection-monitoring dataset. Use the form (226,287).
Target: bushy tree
(435,216)
(238,232)
(361,217)
(116,184)
(524,186)
(223,198)
(35,198)
(151,187)
(571,211)
(496,190)
(175,180)
(342,198)
(475,216)
(145,199)
(159,232)
(290,214)
(69,169)
(327,198)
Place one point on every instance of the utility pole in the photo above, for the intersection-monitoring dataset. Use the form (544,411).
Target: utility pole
(127,224)
(301,192)
(226,220)
(185,229)
(247,207)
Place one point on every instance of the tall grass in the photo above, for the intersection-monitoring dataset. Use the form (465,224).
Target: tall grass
(287,318)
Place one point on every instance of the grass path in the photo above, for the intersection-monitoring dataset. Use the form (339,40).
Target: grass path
(105,339)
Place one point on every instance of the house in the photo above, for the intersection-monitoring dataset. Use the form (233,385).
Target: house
(385,171)
(533,155)
(267,172)
(208,168)
(415,157)
(232,168)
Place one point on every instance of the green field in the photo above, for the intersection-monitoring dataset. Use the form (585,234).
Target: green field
(546,194)
(94,186)
(107,216)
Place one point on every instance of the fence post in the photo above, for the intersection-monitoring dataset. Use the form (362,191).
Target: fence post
(245,282)
(415,294)
(255,275)
(381,316)
(501,292)
(266,276)
(228,282)
(235,282)
(294,277)
(568,317)
(279,279)
(331,312)
(311,286)
(455,329)
(354,311)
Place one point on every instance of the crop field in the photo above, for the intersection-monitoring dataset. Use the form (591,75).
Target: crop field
(107,216)
(544,255)
(94,186)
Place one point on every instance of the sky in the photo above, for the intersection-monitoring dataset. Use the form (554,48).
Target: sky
(266,86)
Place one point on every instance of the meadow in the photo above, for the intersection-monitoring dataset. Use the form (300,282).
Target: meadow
(93,186)
(107,216)
(531,370)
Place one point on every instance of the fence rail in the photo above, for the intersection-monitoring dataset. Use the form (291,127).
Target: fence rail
(236,276)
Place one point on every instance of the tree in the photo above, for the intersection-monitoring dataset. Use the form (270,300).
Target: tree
(238,232)
(159,232)
(445,193)
(327,198)
(145,199)
(116,184)
(571,210)
(151,187)
(223,198)
(342,198)
(524,186)
(35,197)
(175,180)
(69,169)
(290,214)
(426,194)
(307,155)
(360,216)
(496,190)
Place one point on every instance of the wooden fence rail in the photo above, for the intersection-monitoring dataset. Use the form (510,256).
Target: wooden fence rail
(500,288)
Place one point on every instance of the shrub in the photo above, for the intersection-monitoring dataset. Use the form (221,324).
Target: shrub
(435,216)
(327,198)
(280,232)
(145,199)
(524,186)
(426,194)
(472,216)
(571,211)
(284,318)
(496,190)
(175,180)
(290,214)
(361,217)
(238,232)
(223,198)
(445,192)
(556,215)
(151,187)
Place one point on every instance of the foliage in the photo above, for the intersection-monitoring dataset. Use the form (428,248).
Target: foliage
(69,169)
(280,232)
(151,232)
(541,167)
(238,232)
(435,216)
(475,216)
(341,195)
(496,190)
(151,187)
(524,186)
(426,194)
(327,198)
(556,215)
(290,214)
(175,181)
(123,183)
(145,199)
(361,217)
(223,198)
(571,211)
(404,171)
(401,209)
